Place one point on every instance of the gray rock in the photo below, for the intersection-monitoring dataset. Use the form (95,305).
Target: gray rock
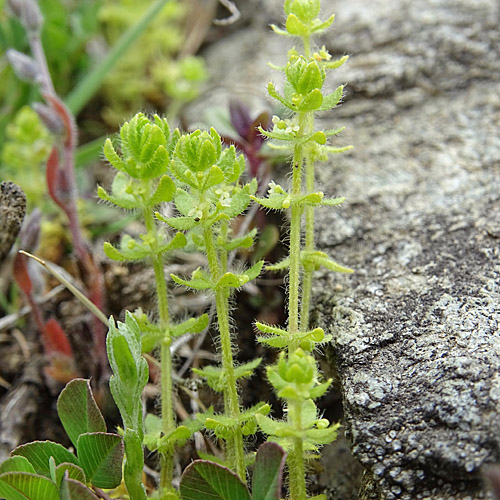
(416,328)
(417,340)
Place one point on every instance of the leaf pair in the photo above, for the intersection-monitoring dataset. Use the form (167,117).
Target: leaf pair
(201,280)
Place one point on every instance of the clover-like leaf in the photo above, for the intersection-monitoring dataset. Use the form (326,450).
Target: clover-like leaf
(204,480)
(72,489)
(38,453)
(101,455)
(16,464)
(27,486)
(78,411)
(268,472)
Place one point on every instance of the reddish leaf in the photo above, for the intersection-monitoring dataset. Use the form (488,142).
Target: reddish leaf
(52,174)
(56,340)
(21,275)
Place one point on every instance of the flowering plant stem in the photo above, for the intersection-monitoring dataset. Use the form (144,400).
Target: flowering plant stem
(166,390)
(218,266)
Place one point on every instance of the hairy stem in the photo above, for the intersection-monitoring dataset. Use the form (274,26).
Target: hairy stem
(166,391)
(309,229)
(235,451)
(296,467)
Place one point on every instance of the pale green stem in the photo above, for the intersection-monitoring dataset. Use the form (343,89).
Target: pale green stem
(309,231)
(306,40)
(295,240)
(296,469)
(234,447)
(166,391)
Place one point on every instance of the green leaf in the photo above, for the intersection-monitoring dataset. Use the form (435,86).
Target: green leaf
(26,486)
(231,280)
(113,157)
(38,454)
(331,100)
(279,266)
(238,202)
(279,31)
(309,413)
(254,271)
(313,260)
(164,191)
(275,428)
(130,249)
(272,92)
(246,369)
(311,79)
(323,26)
(178,241)
(72,471)
(270,329)
(184,202)
(112,252)
(203,480)
(119,193)
(130,370)
(192,325)
(179,434)
(72,489)
(275,201)
(322,436)
(199,280)
(295,26)
(213,177)
(332,150)
(268,472)
(309,199)
(332,202)
(16,464)
(212,375)
(179,223)
(312,101)
(279,136)
(242,242)
(335,64)
(78,410)
(101,457)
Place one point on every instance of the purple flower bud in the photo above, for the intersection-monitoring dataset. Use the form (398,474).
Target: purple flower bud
(28,13)
(30,232)
(49,118)
(24,66)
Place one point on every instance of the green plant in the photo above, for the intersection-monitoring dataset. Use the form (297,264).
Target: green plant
(208,197)
(141,184)
(295,377)
(44,470)
(202,180)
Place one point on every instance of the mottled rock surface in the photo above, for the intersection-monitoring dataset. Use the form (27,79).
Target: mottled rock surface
(417,341)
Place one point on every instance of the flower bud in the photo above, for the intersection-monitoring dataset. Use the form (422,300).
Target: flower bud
(24,66)
(28,13)
(49,118)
